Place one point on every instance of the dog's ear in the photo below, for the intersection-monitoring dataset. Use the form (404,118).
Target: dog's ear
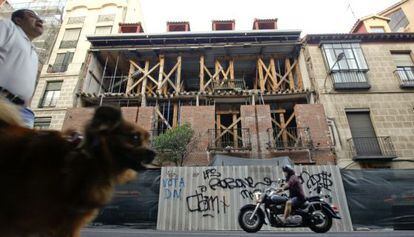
(106,118)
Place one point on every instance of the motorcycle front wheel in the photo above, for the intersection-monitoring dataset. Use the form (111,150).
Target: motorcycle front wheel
(248,224)
(321,222)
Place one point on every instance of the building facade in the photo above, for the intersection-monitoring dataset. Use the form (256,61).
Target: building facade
(245,94)
(401,16)
(55,92)
(366,84)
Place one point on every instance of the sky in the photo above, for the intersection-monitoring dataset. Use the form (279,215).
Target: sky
(310,16)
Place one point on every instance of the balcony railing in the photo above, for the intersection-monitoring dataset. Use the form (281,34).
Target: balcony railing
(406,76)
(229,139)
(57,68)
(372,148)
(289,138)
(350,79)
(236,84)
(68,44)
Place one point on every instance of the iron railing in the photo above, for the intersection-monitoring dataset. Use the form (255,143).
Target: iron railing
(350,79)
(229,139)
(289,138)
(372,148)
(229,84)
(406,76)
(68,44)
(57,68)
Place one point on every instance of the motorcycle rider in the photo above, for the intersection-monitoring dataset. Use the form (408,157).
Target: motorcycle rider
(296,194)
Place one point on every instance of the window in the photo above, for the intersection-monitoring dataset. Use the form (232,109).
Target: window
(62,61)
(42,122)
(70,38)
(405,68)
(365,144)
(106,18)
(348,72)
(398,21)
(377,29)
(103,30)
(52,94)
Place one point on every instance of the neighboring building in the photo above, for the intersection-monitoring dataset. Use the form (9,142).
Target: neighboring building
(366,84)
(51,13)
(244,93)
(401,16)
(372,24)
(58,82)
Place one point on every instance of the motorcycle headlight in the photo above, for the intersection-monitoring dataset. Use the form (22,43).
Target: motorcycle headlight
(258,196)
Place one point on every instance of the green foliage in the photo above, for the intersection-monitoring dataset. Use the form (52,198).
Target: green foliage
(175,144)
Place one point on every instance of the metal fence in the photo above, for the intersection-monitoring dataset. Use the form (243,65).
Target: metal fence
(372,148)
(229,139)
(289,138)
(210,198)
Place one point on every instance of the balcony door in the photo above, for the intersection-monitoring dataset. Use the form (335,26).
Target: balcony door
(363,134)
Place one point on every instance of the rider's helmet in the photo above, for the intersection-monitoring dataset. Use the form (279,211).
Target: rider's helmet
(288,170)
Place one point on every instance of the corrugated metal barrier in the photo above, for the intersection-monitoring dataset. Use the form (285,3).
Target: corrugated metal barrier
(209,198)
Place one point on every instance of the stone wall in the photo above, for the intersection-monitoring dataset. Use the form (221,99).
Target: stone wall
(391,108)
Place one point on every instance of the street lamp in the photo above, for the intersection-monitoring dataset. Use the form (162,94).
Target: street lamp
(339,58)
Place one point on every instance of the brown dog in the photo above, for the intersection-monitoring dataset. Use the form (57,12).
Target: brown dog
(52,187)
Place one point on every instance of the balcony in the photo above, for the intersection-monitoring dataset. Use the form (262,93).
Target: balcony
(233,139)
(406,76)
(372,148)
(236,84)
(57,68)
(291,138)
(349,79)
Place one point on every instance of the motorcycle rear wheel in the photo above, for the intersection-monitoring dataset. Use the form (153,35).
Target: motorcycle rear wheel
(323,227)
(254,225)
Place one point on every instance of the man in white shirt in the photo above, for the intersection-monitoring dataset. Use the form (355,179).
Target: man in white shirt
(19,61)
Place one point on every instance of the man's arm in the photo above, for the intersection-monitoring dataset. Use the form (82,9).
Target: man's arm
(6,28)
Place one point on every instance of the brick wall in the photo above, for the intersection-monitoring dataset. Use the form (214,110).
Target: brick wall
(201,118)
(313,116)
(130,114)
(146,117)
(77,118)
(248,120)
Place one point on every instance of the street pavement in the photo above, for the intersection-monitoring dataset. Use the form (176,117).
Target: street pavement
(100,232)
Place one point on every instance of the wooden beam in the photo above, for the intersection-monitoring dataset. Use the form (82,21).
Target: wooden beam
(162,118)
(130,81)
(299,76)
(201,73)
(291,81)
(178,75)
(160,74)
(261,79)
(144,85)
(273,74)
(235,128)
(283,126)
(175,115)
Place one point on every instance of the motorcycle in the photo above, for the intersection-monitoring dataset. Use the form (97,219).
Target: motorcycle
(315,213)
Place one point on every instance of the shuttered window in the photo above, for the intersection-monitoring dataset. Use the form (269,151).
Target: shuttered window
(402,59)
